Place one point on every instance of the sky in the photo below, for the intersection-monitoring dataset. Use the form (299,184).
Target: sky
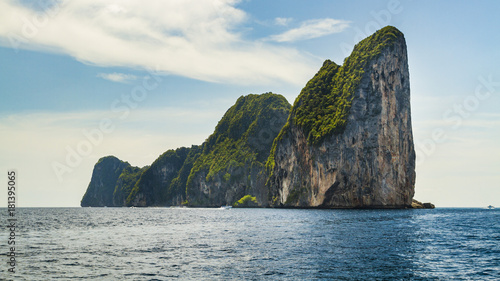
(84,79)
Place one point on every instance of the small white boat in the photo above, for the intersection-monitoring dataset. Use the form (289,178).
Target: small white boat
(226,207)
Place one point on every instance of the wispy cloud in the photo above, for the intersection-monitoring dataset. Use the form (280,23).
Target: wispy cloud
(311,29)
(117,77)
(191,38)
(283,21)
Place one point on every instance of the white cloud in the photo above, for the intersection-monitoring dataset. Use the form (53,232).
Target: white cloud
(282,21)
(192,38)
(117,77)
(311,29)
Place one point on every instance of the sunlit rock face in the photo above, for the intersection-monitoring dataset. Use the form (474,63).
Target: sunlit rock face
(370,161)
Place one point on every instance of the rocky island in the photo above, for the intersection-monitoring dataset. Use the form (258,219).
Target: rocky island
(348,141)
(345,143)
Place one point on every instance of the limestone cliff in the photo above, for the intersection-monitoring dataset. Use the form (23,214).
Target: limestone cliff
(125,183)
(102,184)
(231,165)
(348,141)
(345,143)
(164,183)
(228,166)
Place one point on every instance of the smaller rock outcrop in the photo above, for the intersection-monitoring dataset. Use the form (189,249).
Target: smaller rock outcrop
(102,185)
(419,205)
(247,201)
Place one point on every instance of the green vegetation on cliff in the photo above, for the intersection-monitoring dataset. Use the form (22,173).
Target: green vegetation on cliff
(241,140)
(230,157)
(323,105)
(244,139)
(154,183)
(178,184)
(246,201)
(126,182)
(239,137)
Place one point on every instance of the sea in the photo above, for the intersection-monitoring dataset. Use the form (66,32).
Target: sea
(252,244)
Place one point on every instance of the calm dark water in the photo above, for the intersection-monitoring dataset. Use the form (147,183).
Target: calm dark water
(254,244)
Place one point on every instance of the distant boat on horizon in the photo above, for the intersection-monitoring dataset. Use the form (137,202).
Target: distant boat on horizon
(491,207)
(226,207)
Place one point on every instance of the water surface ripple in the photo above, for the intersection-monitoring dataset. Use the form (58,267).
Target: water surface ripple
(254,244)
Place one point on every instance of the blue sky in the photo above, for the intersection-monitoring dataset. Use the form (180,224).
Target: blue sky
(84,79)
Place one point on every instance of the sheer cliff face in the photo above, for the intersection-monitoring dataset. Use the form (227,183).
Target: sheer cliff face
(102,185)
(366,159)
